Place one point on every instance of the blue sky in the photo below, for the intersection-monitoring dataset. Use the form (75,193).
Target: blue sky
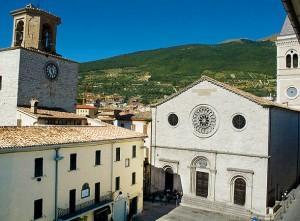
(95,29)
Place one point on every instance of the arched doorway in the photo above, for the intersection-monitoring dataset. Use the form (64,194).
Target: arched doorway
(169,179)
(239,196)
(200,177)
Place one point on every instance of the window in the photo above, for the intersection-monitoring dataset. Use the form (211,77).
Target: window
(38,167)
(98,157)
(73,163)
(292,92)
(19,33)
(117,183)
(127,162)
(38,208)
(288,61)
(85,190)
(295,61)
(239,121)
(134,151)
(0,83)
(133,176)
(173,119)
(47,38)
(118,154)
(133,127)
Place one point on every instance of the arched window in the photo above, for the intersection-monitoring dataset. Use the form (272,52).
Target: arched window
(239,197)
(295,61)
(288,61)
(19,33)
(85,191)
(47,37)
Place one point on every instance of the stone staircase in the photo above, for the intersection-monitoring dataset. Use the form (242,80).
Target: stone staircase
(217,207)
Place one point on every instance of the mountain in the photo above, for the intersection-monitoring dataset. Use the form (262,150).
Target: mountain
(154,74)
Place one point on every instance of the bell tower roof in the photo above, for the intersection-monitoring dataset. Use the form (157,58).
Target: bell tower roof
(35,28)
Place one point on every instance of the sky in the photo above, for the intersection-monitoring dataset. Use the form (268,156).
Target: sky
(97,29)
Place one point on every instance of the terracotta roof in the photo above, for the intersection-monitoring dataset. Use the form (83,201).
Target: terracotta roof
(45,113)
(145,116)
(83,106)
(20,138)
(258,100)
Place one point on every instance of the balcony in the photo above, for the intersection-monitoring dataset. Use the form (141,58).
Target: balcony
(81,209)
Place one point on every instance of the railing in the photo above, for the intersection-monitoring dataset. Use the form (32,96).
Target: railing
(64,214)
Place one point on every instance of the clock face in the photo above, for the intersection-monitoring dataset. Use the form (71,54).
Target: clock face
(292,92)
(51,71)
(204,121)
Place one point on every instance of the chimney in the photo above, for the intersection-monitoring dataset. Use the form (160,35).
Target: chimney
(33,105)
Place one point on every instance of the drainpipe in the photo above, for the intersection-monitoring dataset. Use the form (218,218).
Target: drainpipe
(57,158)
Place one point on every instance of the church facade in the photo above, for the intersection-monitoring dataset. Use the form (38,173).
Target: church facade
(31,68)
(233,152)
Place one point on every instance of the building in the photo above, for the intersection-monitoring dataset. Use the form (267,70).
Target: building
(34,116)
(31,68)
(86,110)
(292,8)
(71,173)
(229,150)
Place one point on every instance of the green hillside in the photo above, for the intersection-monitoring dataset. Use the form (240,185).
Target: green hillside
(249,65)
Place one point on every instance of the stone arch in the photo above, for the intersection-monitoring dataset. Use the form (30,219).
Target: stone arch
(238,186)
(19,33)
(47,37)
(201,177)
(169,178)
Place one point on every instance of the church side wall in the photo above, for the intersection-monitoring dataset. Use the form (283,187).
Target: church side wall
(33,82)
(9,68)
(284,169)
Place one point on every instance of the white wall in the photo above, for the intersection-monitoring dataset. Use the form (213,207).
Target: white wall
(227,148)
(9,70)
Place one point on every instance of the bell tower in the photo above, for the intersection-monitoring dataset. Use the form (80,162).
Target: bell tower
(35,28)
(288,68)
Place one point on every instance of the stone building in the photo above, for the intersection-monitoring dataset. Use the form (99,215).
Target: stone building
(234,152)
(31,68)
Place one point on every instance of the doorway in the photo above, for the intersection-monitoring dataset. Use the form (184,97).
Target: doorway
(101,214)
(239,192)
(133,207)
(169,179)
(202,180)
(72,201)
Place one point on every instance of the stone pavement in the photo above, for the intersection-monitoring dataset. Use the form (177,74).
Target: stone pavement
(183,213)
(153,211)
(293,212)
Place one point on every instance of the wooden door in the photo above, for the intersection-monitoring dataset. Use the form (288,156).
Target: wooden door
(239,192)
(202,180)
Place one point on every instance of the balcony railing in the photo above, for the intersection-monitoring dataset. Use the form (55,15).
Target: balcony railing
(65,214)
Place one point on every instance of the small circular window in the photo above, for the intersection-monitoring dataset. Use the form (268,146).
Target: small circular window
(292,92)
(173,119)
(239,121)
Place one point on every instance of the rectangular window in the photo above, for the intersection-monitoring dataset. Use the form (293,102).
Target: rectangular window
(98,157)
(38,209)
(127,162)
(0,83)
(133,151)
(38,167)
(117,183)
(73,161)
(133,127)
(133,181)
(118,154)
